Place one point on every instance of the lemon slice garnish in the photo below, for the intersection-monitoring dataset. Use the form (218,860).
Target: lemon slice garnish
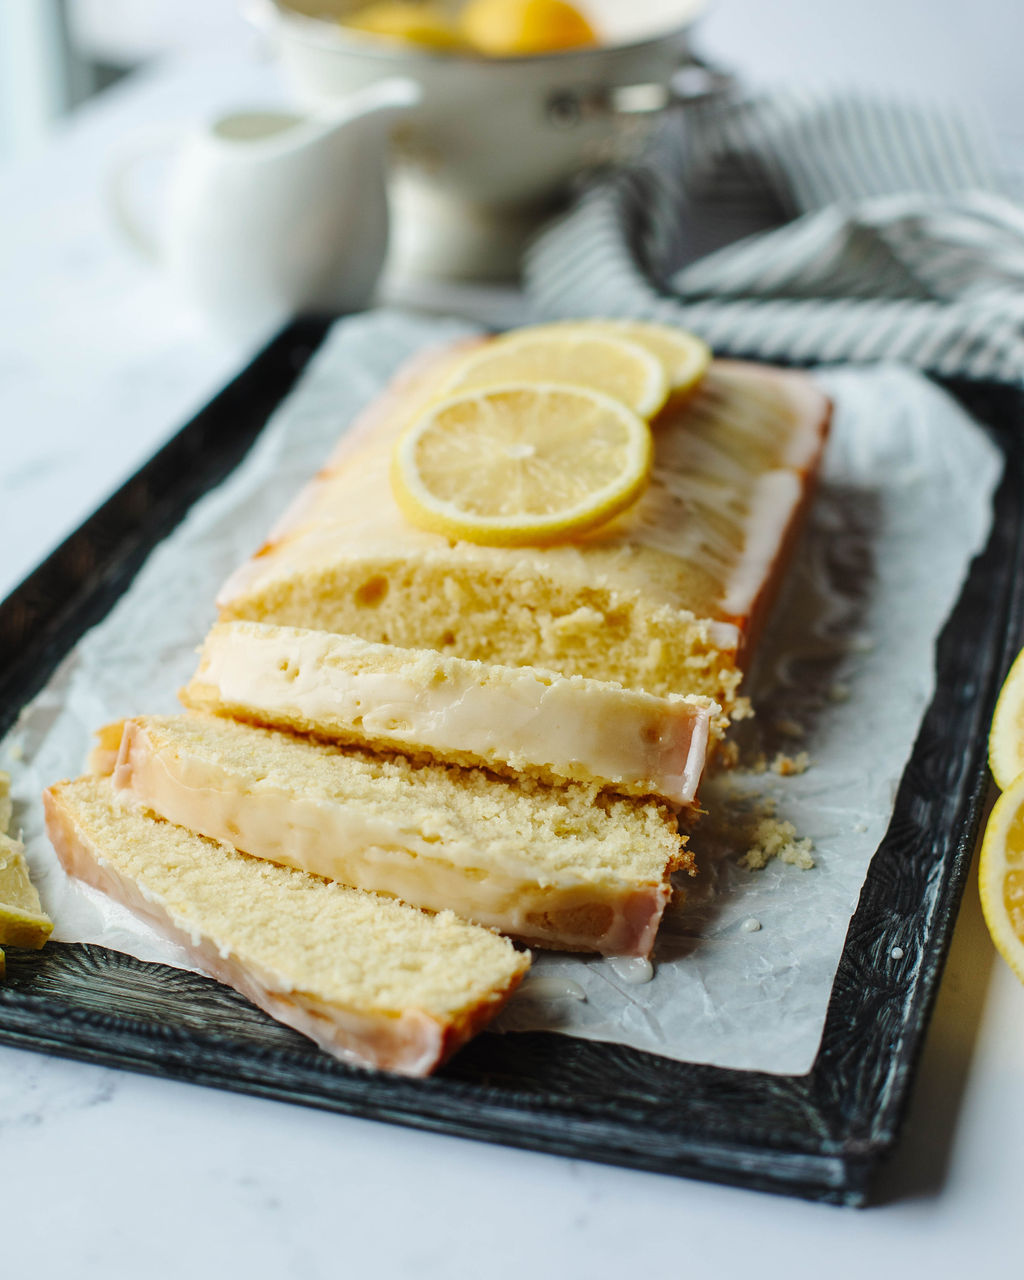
(580,355)
(684,357)
(1006,737)
(1001,876)
(520,463)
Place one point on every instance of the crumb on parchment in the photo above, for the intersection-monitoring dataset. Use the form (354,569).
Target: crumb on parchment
(728,756)
(748,828)
(746,824)
(773,837)
(788,766)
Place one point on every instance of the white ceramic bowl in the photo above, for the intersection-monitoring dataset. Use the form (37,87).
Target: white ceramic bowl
(497,133)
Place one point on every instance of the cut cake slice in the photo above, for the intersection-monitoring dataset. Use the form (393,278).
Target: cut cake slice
(512,719)
(569,867)
(23,922)
(372,981)
(666,597)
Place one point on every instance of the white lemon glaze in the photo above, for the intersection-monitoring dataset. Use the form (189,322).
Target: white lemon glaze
(469,712)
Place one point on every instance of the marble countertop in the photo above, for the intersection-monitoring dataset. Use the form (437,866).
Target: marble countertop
(111,1174)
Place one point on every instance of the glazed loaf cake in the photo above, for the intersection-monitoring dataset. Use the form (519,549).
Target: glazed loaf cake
(666,597)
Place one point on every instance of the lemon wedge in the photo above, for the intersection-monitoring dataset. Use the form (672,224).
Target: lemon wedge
(580,355)
(1006,737)
(520,463)
(514,28)
(684,357)
(1001,876)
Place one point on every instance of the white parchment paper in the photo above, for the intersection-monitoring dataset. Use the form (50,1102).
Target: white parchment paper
(745,965)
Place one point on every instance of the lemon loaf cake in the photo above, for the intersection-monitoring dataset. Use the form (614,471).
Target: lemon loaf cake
(372,981)
(567,867)
(666,596)
(512,719)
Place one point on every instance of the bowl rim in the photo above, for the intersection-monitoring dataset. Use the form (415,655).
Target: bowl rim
(323,32)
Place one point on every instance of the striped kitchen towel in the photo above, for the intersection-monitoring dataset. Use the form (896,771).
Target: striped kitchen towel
(901,242)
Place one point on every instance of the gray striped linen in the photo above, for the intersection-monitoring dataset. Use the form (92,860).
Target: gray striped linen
(901,244)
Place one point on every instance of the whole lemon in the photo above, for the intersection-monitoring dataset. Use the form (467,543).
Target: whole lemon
(424,24)
(514,28)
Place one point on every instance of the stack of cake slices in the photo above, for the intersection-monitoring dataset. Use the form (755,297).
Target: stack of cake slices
(403,749)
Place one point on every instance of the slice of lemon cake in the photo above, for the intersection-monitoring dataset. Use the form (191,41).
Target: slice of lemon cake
(372,981)
(512,719)
(568,867)
(23,922)
(665,596)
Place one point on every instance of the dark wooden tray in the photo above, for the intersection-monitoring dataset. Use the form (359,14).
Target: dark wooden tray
(820,1135)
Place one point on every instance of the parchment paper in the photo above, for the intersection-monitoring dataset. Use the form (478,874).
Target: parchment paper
(744,967)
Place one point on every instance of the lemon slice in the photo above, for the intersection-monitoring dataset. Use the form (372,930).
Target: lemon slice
(520,463)
(1001,876)
(684,357)
(576,354)
(1006,737)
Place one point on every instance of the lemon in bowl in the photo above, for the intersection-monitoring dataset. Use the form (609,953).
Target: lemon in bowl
(494,28)
(428,25)
(520,28)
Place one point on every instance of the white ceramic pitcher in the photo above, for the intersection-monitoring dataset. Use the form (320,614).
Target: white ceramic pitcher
(270,213)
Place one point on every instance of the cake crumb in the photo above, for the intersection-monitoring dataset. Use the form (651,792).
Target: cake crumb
(775,838)
(741,709)
(788,766)
(751,925)
(728,755)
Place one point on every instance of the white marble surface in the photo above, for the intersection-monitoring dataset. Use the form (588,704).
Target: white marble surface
(111,1175)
